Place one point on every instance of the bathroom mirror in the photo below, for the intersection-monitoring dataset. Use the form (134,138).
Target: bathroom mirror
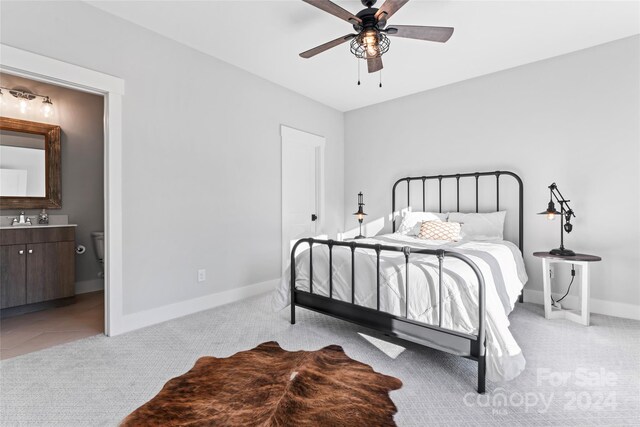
(29,165)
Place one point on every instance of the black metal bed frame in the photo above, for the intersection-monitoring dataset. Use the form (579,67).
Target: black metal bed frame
(466,345)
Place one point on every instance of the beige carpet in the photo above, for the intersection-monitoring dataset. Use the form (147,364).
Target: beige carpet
(98,381)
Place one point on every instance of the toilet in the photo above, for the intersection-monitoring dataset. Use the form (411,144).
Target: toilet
(98,248)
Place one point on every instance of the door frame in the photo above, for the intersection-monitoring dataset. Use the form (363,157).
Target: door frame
(319,142)
(41,68)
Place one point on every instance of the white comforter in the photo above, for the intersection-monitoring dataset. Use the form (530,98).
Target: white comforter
(501,265)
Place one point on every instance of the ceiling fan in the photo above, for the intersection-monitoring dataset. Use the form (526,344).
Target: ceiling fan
(370,41)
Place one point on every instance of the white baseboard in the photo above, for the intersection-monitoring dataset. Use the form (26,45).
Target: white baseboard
(157,315)
(92,285)
(609,308)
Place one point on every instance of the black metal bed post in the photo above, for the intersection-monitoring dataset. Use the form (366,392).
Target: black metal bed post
(393,206)
(292,284)
(408,194)
(440,193)
(378,277)
(458,193)
(407,251)
(330,269)
(440,298)
(424,194)
(477,191)
(353,272)
(311,266)
(520,219)
(482,342)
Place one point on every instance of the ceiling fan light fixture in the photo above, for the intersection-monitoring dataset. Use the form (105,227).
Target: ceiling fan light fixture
(370,39)
(369,44)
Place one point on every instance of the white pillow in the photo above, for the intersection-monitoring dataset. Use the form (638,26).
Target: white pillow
(480,226)
(412,221)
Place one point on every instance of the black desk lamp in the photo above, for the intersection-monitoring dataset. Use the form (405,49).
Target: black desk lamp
(565,215)
(360,214)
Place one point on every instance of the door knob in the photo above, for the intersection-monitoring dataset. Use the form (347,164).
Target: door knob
(30,251)
(21,252)
(314,217)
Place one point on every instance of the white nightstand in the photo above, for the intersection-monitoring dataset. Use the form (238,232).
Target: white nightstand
(580,260)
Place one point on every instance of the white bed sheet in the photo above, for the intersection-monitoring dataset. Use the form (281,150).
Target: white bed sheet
(501,265)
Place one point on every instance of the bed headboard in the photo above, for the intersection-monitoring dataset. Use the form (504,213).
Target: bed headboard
(459,176)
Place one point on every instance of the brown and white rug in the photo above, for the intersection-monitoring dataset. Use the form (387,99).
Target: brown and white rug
(269,386)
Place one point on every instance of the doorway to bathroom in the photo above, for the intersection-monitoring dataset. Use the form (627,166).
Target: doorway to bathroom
(52,279)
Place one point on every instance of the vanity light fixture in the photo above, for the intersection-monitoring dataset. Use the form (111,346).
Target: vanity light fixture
(47,107)
(24,99)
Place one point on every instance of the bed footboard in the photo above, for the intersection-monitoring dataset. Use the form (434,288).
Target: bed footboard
(434,336)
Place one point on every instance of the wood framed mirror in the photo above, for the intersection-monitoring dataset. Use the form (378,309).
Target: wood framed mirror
(29,165)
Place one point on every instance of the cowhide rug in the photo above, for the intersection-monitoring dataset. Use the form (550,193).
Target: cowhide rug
(269,386)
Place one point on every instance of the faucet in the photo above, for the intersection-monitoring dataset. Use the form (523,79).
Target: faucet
(22,219)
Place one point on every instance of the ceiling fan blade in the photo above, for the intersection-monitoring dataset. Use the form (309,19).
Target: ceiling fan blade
(335,10)
(374,64)
(326,46)
(432,34)
(390,7)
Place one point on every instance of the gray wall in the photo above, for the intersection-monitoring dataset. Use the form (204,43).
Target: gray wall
(201,152)
(80,116)
(201,155)
(573,119)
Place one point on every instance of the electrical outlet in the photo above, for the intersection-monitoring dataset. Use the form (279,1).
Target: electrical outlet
(552,273)
(202,275)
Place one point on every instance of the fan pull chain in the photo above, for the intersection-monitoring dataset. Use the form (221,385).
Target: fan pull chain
(358,71)
(380,78)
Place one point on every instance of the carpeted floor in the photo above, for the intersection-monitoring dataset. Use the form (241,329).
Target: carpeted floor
(575,375)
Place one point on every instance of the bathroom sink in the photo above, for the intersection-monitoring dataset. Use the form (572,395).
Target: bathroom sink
(54,221)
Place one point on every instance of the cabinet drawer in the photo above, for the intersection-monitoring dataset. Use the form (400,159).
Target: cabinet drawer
(37,235)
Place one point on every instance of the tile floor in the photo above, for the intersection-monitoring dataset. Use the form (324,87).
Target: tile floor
(43,329)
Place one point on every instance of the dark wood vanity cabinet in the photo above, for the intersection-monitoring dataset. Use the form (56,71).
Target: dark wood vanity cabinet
(13,275)
(36,265)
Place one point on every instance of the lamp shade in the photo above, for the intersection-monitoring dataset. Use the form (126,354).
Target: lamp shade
(551,211)
(360,211)
(360,214)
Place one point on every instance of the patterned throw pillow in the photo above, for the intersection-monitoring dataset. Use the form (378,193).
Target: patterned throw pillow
(411,221)
(439,230)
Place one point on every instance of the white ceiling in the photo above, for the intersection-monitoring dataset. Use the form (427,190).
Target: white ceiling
(265,37)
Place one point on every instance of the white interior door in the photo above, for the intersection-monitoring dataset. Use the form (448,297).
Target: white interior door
(302,164)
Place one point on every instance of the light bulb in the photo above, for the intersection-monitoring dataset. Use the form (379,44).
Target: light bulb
(372,51)
(24,106)
(551,216)
(47,107)
(369,37)
(360,217)
(370,43)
